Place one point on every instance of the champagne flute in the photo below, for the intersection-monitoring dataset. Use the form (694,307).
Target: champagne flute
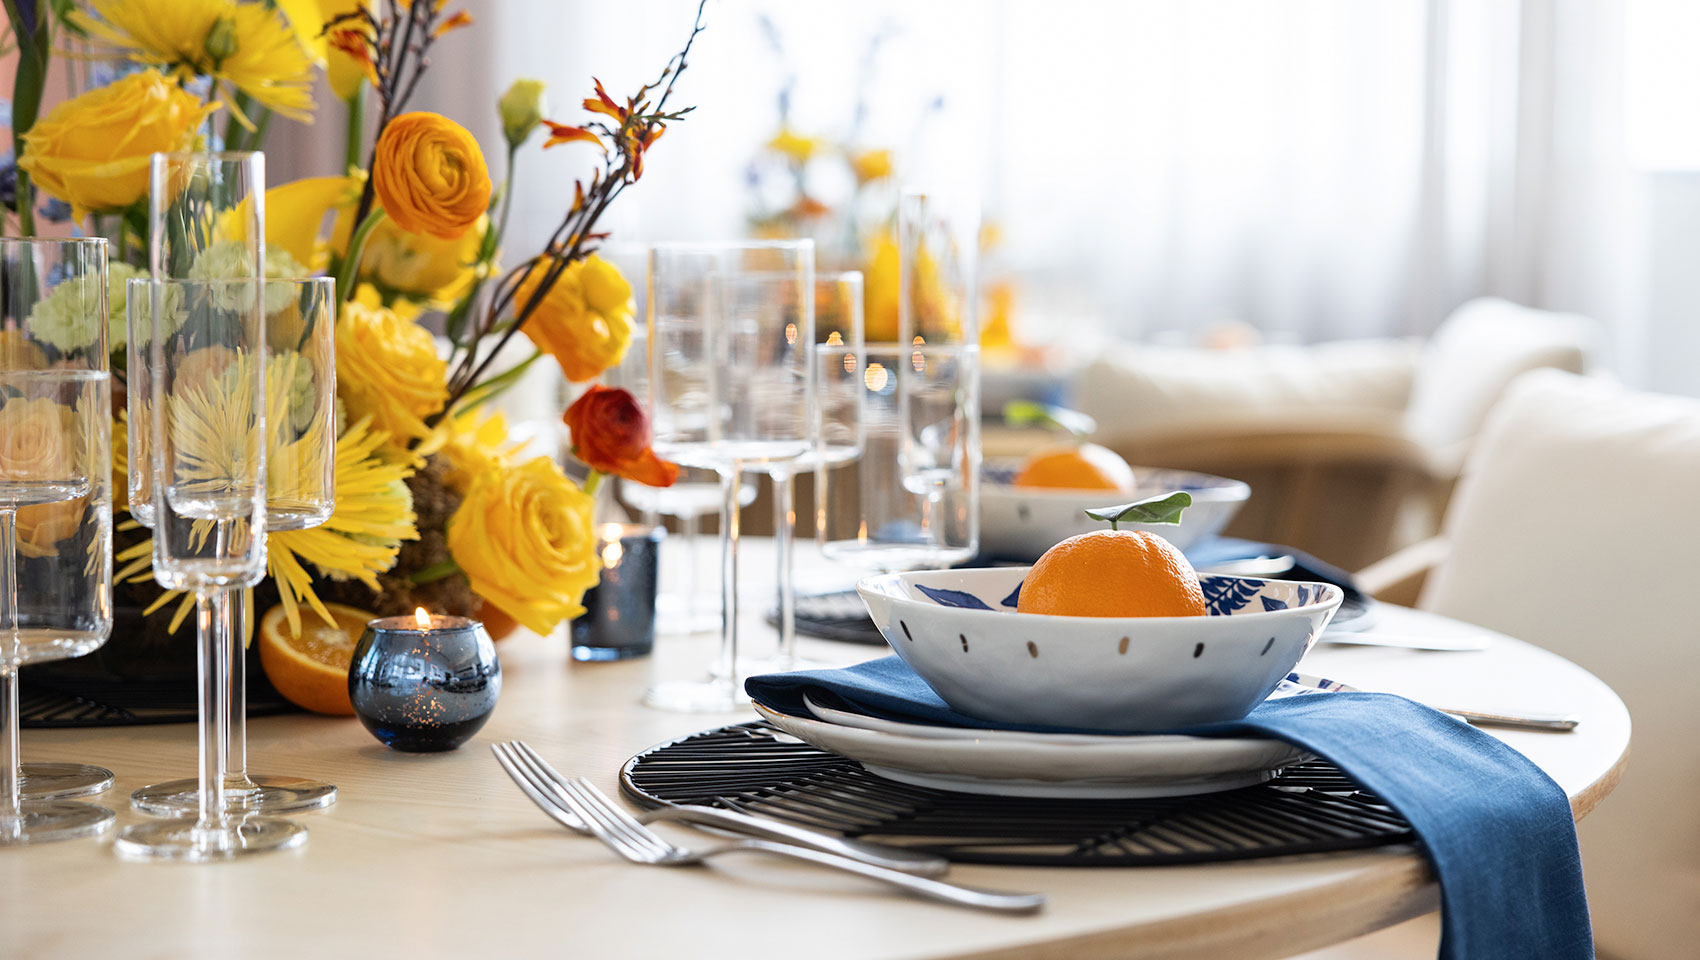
(300,484)
(731,327)
(55,508)
(207,368)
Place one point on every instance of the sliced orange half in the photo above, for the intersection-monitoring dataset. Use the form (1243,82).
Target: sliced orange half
(310,669)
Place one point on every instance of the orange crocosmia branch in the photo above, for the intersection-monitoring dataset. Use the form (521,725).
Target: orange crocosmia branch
(460,19)
(562,133)
(604,104)
(357,45)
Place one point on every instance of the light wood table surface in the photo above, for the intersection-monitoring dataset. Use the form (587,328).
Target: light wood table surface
(439,855)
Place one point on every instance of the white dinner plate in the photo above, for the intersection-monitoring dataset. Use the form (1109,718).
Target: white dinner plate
(1023,764)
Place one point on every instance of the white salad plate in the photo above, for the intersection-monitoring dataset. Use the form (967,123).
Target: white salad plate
(1056,765)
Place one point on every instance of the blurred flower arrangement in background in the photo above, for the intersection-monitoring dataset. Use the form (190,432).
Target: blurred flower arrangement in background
(436,506)
(841,191)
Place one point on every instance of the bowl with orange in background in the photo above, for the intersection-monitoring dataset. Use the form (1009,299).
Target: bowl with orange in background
(1109,631)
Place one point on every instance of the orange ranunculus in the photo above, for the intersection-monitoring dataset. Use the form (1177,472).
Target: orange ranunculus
(430,176)
(611,434)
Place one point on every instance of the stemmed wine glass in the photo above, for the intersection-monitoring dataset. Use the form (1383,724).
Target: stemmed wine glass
(207,372)
(836,417)
(731,385)
(55,508)
(872,513)
(912,501)
(206,218)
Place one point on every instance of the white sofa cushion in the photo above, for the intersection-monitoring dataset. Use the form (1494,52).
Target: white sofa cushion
(1576,526)
(1140,391)
(1483,346)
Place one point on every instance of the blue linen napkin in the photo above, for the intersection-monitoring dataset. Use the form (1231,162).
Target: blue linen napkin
(1496,828)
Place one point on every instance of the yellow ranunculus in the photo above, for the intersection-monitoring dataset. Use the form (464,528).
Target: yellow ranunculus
(92,151)
(429,175)
(387,368)
(525,538)
(37,442)
(584,321)
(417,265)
(296,210)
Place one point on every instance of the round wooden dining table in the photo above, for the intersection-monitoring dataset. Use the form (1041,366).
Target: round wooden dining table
(440,855)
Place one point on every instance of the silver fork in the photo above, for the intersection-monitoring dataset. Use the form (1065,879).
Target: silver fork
(526,766)
(637,843)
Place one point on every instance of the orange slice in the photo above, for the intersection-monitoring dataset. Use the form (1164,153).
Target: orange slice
(310,669)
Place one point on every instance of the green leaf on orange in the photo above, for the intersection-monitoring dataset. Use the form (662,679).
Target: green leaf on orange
(1165,508)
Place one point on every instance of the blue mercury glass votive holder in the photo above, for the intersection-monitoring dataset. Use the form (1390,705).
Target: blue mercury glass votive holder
(618,621)
(424,682)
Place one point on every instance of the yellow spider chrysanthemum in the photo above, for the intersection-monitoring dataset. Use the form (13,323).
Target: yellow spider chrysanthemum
(374,513)
(249,46)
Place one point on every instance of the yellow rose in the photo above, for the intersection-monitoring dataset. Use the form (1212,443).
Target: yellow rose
(17,352)
(388,368)
(92,151)
(42,526)
(568,323)
(525,539)
(429,175)
(36,441)
(416,265)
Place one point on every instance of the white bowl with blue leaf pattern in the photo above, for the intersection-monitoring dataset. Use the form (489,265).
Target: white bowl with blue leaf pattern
(1024,522)
(959,630)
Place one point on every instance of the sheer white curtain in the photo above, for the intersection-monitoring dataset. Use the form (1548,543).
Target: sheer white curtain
(1317,168)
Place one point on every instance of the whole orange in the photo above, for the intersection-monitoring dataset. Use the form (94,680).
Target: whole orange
(1086,467)
(1112,573)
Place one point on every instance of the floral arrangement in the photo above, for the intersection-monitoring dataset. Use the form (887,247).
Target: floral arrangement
(434,504)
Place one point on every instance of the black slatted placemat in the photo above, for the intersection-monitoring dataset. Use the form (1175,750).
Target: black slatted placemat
(1308,808)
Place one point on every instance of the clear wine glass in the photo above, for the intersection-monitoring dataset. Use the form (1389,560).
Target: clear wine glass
(731,331)
(872,514)
(836,416)
(680,609)
(55,508)
(207,373)
(300,494)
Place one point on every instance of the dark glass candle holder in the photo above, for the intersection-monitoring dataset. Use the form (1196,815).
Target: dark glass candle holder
(619,612)
(426,682)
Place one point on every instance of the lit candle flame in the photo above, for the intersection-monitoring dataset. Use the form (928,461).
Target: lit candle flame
(612,551)
(422,618)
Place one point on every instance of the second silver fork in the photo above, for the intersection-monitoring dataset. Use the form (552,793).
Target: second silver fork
(637,843)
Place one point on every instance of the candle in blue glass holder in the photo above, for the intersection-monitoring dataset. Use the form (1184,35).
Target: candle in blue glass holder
(619,612)
(424,682)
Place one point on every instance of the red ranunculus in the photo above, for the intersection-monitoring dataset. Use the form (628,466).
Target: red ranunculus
(611,434)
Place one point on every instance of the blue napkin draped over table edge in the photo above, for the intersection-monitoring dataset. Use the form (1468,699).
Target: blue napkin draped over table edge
(1497,830)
